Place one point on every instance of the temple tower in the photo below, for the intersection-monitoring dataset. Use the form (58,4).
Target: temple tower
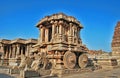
(116,41)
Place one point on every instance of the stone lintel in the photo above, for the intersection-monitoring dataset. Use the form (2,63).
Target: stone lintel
(5,41)
(18,40)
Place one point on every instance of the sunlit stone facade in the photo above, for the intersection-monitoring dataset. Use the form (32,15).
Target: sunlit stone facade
(13,49)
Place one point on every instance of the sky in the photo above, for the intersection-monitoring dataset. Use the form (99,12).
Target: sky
(18,19)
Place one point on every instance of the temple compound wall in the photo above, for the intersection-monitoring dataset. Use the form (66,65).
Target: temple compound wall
(13,49)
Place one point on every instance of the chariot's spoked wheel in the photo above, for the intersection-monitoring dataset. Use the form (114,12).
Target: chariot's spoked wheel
(83,60)
(69,60)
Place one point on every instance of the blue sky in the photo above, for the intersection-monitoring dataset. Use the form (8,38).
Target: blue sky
(99,17)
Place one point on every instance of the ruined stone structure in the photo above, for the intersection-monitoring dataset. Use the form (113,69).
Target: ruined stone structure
(59,50)
(95,52)
(60,41)
(116,41)
(11,50)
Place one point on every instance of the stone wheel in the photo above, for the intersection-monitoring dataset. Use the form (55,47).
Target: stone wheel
(69,60)
(83,60)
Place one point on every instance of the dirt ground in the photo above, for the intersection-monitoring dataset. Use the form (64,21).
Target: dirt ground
(111,73)
(108,73)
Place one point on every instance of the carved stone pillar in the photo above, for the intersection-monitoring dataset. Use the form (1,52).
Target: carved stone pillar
(60,29)
(73,30)
(2,57)
(78,33)
(27,50)
(28,47)
(70,34)
(57,29)
(7,51)
(40,40)
(10,48)
(53,31)
(2,48)
(6,55)
(41,34)
(21,50)
(46,35)
(13,51)
(60,33)
(18,50)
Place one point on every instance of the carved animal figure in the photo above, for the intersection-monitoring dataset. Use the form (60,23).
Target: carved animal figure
(25,61)
(41,62)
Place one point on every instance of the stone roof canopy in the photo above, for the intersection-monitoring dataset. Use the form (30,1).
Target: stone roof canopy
(58,16)
(18,40)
